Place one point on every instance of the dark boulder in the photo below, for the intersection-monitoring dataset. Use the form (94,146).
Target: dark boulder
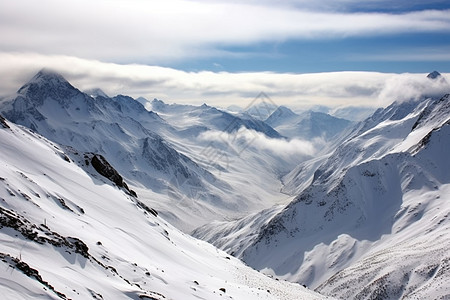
(103,167)
(3,122)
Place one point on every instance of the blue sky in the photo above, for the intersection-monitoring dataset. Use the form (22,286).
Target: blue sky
(404,51)
(418,52)
(190,50)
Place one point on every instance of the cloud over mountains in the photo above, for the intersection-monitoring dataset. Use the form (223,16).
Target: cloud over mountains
(223,88)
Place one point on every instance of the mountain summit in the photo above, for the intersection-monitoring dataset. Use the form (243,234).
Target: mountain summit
(47,79)
(434,75)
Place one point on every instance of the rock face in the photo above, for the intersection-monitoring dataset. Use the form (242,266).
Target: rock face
(3,122)
(104,168)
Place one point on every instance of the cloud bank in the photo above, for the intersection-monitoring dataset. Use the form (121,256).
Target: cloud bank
(222,89)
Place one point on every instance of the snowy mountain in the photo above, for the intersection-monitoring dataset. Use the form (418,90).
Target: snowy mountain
(308,125)
(68,232)
(261,107)
(352,113)
(205,117)
(192,163)
(370,220)
(119,128)
(95,92)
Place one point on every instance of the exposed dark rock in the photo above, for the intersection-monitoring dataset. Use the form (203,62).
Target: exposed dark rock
(104,168)
(30,231)
(62,203)
(147,209)
(29,271)
(3,122)
(95,295)
(65,157)
(147,297)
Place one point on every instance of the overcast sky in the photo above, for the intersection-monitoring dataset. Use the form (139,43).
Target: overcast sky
(227,52)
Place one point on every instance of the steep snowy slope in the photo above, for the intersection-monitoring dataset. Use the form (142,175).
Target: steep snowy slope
(307,125)
(382,192)
(68,234)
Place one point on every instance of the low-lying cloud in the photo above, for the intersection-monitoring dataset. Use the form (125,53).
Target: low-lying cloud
(404,87)
(333,89)
(243,138)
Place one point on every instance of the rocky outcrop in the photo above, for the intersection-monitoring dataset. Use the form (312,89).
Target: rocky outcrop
(104,168)
(3,122)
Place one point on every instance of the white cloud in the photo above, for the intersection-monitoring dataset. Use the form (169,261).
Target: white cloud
(243,138)
(155,31)
(405,87)
(220,88)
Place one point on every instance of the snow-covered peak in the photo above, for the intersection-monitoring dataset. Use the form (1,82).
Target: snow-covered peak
(47,84)
(96,92)
(47,79)
(434,75)
(307,125)
(46,74)
(280,115)
(263,109)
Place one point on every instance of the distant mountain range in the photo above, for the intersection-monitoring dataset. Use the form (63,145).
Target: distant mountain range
(308,125)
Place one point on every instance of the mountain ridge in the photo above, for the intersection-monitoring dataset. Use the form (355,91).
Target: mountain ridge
(307,125)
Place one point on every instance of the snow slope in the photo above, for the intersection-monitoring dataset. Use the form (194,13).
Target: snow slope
(372,220)
(68,233)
